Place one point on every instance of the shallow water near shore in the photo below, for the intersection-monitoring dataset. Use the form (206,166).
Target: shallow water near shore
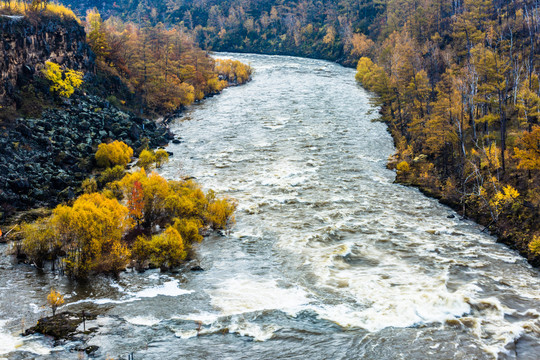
(329,259)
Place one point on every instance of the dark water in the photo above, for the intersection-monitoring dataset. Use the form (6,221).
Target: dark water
(328,259)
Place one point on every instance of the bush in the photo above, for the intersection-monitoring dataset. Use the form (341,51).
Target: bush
(189,230)
(167,248)
(162,157)
(403,167)
(233,71)
(89,186)
(64,82)
(113,154)
(146,160)
(219,213)
(111,174)
(54,299)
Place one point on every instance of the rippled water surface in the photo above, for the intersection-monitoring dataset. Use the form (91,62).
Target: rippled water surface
(329,259)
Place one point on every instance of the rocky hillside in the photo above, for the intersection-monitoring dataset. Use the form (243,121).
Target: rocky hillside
(25,45)
(43,161)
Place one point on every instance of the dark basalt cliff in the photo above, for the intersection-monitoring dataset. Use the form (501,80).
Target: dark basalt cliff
(26,45)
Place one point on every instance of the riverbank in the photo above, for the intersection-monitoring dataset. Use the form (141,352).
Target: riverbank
(511,232)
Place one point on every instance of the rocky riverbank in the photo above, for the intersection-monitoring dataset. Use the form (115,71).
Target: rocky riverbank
(43,161)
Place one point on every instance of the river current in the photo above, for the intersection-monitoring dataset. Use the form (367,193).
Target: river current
(328,259)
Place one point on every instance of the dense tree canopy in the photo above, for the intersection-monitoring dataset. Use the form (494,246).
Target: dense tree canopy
(160,63)
(458,82)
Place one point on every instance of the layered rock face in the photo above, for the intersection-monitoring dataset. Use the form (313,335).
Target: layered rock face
(25,46)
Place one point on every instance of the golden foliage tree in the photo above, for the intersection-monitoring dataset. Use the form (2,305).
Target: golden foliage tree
(64,82)
(93,228)
(528,152)
(113,154)
(55,299)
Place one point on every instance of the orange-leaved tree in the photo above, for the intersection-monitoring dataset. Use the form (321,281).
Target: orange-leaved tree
(136,202)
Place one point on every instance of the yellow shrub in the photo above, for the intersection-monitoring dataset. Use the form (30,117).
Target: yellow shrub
(64,82)
(146,159)
(534,245)
(54,299)
(403,167)
(233,70)
(115,153)
(89,186)
(92,230)
(162,157)
(167,248)
(39,241)
(189,229)
(220,213)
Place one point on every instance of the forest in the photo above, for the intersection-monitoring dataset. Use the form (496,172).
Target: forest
(162,65)
(332,30)
(459,89)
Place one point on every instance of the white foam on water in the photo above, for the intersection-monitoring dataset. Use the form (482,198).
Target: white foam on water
(102,301)
(400,312)
(394,293)
(203,317)
(391,291)
(170,288)
(255,331)
(10,343)
(245,294)
(186,334)
(142,320)
(236,324)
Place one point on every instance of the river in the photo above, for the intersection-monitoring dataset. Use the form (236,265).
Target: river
(328,259)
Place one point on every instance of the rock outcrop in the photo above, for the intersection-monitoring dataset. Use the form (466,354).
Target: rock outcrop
(26,45)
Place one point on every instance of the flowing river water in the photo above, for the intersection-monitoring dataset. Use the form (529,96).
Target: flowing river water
(329,259)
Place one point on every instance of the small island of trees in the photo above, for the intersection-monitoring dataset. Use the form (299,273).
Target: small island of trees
(136,218)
